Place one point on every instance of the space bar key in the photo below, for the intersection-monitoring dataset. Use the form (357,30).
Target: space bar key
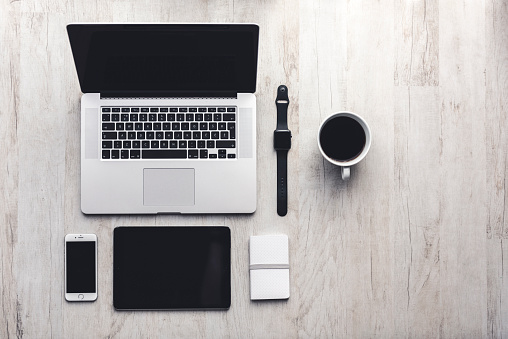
(164,154)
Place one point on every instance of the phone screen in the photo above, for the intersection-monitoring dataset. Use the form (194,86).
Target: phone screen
(80,266)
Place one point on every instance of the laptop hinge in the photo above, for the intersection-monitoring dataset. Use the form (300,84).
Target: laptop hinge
(172,94)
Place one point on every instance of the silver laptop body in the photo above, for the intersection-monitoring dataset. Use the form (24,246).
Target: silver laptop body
(167,146)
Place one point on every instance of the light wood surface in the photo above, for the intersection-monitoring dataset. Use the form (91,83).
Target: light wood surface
(414,245)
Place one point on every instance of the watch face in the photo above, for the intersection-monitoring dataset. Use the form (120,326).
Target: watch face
(282,140)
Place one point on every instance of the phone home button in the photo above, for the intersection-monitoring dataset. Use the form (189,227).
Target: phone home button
(80,296)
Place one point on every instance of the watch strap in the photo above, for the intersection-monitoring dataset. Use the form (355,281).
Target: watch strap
(282,190)
(282,103)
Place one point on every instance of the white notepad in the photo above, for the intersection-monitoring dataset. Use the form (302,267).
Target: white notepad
(269,267)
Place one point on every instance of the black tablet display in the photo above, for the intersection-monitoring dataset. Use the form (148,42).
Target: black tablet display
(160,268)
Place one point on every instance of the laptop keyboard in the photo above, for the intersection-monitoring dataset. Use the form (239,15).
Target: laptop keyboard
(168,132)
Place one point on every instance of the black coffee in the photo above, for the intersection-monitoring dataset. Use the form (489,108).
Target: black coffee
(342,138)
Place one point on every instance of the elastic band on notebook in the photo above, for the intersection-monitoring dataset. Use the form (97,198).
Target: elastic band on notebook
(268,266)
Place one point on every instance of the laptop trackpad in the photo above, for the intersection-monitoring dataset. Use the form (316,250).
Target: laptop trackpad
(168,186)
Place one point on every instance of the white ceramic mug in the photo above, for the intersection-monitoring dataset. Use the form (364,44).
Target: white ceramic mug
(341,141)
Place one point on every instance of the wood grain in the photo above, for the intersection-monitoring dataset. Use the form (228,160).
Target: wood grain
(414,245)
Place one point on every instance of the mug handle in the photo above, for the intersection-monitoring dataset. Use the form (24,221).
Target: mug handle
(346,173)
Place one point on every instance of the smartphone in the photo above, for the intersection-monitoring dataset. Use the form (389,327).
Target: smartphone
(80,267)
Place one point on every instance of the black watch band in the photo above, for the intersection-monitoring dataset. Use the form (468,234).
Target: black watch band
(282,144)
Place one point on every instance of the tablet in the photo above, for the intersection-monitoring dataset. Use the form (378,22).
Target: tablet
(164,268)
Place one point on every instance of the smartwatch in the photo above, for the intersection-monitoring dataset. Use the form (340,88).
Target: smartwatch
(282,144)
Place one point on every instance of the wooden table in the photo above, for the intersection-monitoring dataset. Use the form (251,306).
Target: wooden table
(414,245)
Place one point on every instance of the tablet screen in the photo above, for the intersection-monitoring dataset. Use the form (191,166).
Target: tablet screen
(171,268)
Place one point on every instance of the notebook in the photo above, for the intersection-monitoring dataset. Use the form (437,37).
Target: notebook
(168,117)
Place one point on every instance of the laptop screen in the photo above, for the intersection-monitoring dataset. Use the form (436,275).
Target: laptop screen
(182,58)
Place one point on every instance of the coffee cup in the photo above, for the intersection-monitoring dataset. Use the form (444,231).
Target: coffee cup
(344,140)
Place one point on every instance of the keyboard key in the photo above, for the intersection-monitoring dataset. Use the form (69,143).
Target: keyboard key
(187,135)
(161,117)
(225,144)
(143,117)
(166,126)
(221,109)
(135,154)
(173,109)
(116,109)
(126,144)
(193,154)
(164,144)
(125,117)
(185,126)
(134,117)
(119,126)
(231,129)
(138,126)
(231,109)
(173,144)
(106,109)
(131,135)
(217,117)
(212,156)
(136,144)
(203,154)
(228,117)
(107,144)
(154,144)
(106,117)
(164,109)
(189,117)
(194,126)
(212,126)
(108,126)
(178,135)
(180,117)
(222,154)
(211,109)
(198,117)
(201,144)
(171,117)
(109,135)
(208,117)
(135,110)
(124,154)
(182,109)
(150,135)
(129,126)
(224,135)
(159,135)
(115,117)
(168,135)
(182,144)
(115,154)
(210,144)
(157,126)
(196,135)
(201,109)
(152,117)
(154,109)
(205,135)
(175,126)
(203,126)
(141,135)
(147,126)
(144,109)
(117,144)
(231,156)
(191,144)
(145,144)
(222,125)
(193,109)
(122,135)
(125,109)
(215,135)
(164,154)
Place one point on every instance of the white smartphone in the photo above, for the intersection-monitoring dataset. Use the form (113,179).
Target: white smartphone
(80,267)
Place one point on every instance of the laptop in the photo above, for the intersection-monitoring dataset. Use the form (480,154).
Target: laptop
(168,117)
